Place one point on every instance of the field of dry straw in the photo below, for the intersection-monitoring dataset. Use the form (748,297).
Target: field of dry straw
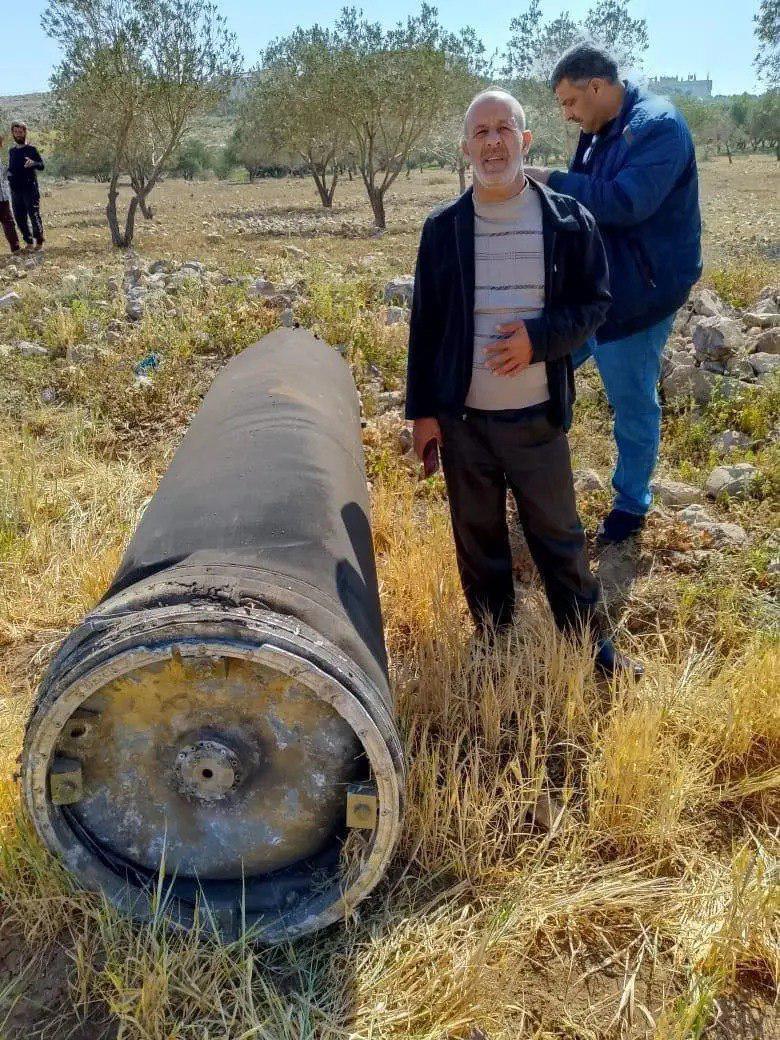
(650,906)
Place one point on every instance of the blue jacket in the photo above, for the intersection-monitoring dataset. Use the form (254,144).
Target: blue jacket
(641,184)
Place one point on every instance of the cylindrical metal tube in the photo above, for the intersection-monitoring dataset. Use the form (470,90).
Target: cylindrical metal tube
(224,716)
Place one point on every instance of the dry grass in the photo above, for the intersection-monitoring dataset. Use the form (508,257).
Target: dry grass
(649,907)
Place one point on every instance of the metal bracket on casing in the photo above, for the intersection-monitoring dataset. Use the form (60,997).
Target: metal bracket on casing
(65,787)
(362,806)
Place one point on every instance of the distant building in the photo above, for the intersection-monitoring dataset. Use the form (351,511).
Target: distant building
(689,87)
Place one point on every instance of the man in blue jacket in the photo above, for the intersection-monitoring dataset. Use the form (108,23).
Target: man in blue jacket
(635,171)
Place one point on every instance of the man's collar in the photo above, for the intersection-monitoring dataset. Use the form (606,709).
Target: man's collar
(559,218)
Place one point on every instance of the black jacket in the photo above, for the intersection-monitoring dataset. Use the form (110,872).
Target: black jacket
(19,176)
(441,335)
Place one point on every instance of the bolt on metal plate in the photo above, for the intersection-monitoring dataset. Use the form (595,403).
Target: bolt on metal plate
(65,786)
(362,806)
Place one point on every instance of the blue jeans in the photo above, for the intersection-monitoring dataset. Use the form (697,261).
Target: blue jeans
(630,369)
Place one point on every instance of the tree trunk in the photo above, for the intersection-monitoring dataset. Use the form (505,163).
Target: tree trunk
(111,214)
(145,208)
(130,222)
(377,199)
(462,177)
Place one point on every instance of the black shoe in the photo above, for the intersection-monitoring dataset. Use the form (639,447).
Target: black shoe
(618,526)
(611,662)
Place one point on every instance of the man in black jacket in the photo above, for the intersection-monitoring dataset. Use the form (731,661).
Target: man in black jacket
(23,161)
(510,279)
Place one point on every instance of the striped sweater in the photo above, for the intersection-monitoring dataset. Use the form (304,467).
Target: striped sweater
(508,285)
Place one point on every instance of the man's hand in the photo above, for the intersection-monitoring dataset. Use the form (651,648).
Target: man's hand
(511,354)
(538,173)
(28,163)
(424,430)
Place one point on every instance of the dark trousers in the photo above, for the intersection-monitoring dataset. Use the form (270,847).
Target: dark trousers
(482,457)
(27,212)
(8,226)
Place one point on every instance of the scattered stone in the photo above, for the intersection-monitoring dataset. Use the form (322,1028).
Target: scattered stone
(722,534)
(396,315)
(765,364)
(707,303)
(767,342)
(739,368)
(48,395)
(9,300)
(287,318)
(731,440)
(587,480)
(83,353)
(676,494)
(714,366)
(765,305)
(261,287)
(158,266)
(296,251)
(404,439)
(24,348)
(400,291)
(717,338)
(761,321)
(733,481)
(134,309)
(686,381)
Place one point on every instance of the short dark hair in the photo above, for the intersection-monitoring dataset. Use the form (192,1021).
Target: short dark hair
(585,61)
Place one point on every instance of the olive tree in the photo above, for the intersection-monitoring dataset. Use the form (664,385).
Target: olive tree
(391,86)
(295,103)
(133,77)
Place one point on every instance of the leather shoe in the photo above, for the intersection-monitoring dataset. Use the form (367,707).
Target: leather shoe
(611,662)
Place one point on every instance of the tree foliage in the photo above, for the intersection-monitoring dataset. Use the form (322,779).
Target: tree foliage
(134,75)
(295,100)
(767,31)
(535,43)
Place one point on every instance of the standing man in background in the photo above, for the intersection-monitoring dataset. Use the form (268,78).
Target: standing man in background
(23,161)
(6,219)
(635,171)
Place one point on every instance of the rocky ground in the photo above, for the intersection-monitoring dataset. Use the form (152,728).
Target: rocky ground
(103,359)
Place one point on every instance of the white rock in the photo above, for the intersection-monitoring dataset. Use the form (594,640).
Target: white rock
(707,303)
(765,364)
(766,305)
(767,342)
(717,338)
(9,300)
(400,290)
(731,440)
(587,480)
(396,315)
(675,493)
(722,534)
(733,481)
(261,287)
(25,348)
(761,321)
(740,368)
(686,381)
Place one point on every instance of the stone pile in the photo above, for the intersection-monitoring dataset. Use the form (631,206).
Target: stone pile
(714,347)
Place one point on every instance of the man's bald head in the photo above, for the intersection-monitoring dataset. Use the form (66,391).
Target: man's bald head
(495,94)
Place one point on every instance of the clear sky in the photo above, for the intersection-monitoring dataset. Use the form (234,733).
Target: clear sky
(712,37)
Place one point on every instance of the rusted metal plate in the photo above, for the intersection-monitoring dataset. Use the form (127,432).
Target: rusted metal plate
(221,770)
(362,806)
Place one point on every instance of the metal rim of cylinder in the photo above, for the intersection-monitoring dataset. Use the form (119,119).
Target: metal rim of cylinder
(268,639)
